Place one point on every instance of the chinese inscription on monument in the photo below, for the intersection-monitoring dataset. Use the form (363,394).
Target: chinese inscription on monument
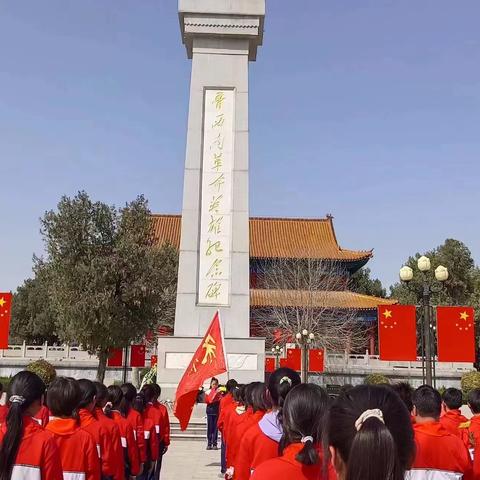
(217,171)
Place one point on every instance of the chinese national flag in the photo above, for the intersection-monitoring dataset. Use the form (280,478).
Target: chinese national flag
(153,360)
(269,364)
(456,334)
(137,356)
(316,361)
(208,361)
(293,360)
(397,332)
(5,314)
(116,357)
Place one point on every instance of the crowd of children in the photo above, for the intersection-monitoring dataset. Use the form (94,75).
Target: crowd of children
(286,430)
(83,431)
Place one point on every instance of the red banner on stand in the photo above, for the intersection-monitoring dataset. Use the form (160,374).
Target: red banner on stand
(137,356)
(269,364)
(316,361)
(116,357)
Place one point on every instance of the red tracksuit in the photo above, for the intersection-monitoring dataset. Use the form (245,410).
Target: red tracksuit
(164,423)
(129,444)
(451,420)
(151,439)
(235,419)
(136,421)
(225,404)
(255,449)
(439,453)
(287,467)
(91,425)
(43,416)
(3,413)
(78,452)
(470,432)
(38,457)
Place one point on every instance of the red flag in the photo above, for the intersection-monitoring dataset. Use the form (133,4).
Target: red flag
(269,364)
(316,361)
(293,360)
(5,315)
(209,360)
(116,357)
(153,360)
(137,356)
(456,334)
(397,332)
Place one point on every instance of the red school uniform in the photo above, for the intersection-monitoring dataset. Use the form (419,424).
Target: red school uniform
(235,419)
(256,447)
(100,435)
(164,423)
(451,420)
(129,444)
(439,451)
(225,404)
(38,457)
(3,413)
(78,452)
(43,416)
(136,421)
(115,444)
(287,467)
(151,439)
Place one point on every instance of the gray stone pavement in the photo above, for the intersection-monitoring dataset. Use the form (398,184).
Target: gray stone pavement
(188,460)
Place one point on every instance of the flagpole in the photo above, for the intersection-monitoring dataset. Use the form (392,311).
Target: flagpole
(224,344)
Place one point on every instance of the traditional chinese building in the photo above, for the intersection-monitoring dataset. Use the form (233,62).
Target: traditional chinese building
(292,238)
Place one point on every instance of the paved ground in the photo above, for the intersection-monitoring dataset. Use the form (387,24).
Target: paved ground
(188,460)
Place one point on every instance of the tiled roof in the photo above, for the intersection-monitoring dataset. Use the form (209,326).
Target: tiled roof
(277,238)
(297,298)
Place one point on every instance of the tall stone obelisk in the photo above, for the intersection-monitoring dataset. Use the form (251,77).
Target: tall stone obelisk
(221,38)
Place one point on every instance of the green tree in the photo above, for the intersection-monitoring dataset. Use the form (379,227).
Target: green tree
(33,316)
(361,282)
(109,284)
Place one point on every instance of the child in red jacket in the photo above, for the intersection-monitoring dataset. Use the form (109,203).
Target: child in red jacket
(304,414)
(261,441)
(164,440)
(370,434)
(78,452)
(129,444)
(134,418)
(3,408)
(26,450)
(452,418)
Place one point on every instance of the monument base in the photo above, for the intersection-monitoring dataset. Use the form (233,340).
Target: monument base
(245,356)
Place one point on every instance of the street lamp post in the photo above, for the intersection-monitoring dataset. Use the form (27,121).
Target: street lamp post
(305,340)
(441,275)
(277,353)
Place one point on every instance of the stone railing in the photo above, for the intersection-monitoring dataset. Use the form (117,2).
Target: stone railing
(48,352)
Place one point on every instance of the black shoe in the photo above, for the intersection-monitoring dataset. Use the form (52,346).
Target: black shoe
(214,447)
(209,447)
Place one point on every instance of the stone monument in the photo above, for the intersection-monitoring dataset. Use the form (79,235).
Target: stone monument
(221,38)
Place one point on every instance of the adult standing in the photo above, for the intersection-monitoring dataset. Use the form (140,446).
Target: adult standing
(212,398)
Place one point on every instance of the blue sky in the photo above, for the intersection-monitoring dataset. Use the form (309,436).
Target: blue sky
(366,109)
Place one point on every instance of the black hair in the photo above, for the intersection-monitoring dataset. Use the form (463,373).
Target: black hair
(1,387)
(157,389)
(64,396)
(255,397)
(88,392)
(129,394)
(101,394)
(214,379)
(139,403)
(280,383)
(427,401)
(304,413)
(405,392)
(375,449)
(149,391)
(28,388)
(453,398)
(231,385)
(239,393)
(474,401)
(115,396)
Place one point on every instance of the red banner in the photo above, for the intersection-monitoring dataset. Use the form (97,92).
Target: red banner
(456,334)
(5,315)
(269,364)
(137,356)
(293,360)
(153,360)
(397,332)
(116,357)
(316,361)
(209,360)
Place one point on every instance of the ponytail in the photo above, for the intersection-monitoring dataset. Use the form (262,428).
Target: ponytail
(25,389)
(114,400)
(308,455)
(129,394)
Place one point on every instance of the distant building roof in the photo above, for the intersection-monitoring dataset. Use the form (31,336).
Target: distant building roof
(321,299)
(278,238)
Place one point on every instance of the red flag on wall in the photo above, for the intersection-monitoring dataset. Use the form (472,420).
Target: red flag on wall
(397,332)
(153,360)
(456,334)
(293,360)
(116,357)
(5,315)
(316,360)
(269,364)
(137,356)
(209,360)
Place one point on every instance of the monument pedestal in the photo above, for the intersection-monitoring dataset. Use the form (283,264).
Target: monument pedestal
(245,356)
